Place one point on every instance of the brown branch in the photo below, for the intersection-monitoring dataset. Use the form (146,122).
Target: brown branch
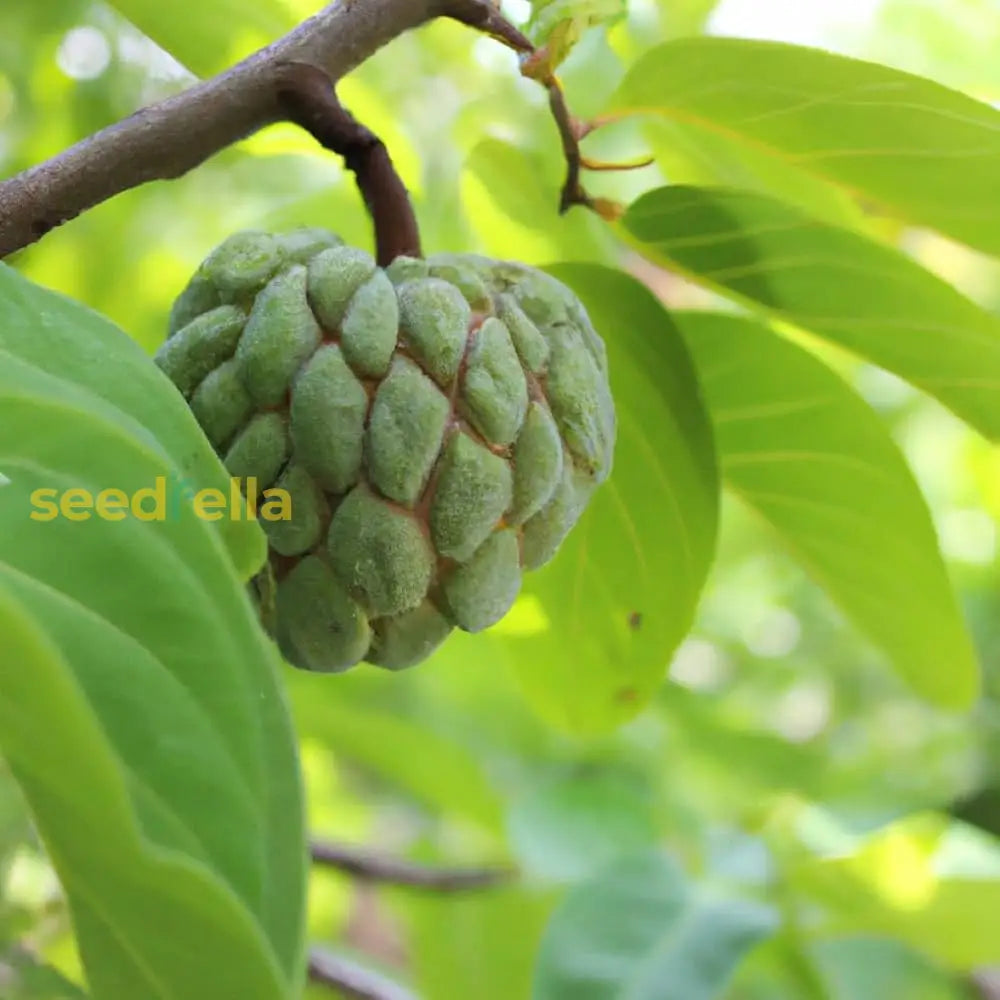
(573,192)
(168,139)
(292,79)
(307,98)
(986,982)
(376,868)
(353,980)
(485,17)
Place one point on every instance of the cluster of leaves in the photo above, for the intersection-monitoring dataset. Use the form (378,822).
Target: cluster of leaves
(143,714)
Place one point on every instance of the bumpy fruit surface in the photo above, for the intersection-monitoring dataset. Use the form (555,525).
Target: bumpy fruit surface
(439,426)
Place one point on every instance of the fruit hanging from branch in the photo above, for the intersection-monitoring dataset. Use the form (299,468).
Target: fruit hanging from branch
(438,424)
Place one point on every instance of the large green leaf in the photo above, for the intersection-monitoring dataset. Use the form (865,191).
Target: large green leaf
(851,290)
(640,931)
(689,153)
(928,882)
(595,629)
(208,35)
(800,447)
(139,703)
(925,153)
(66,340)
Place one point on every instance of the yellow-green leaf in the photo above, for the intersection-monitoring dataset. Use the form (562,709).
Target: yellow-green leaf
(854,291)
(810,456)
(922,152)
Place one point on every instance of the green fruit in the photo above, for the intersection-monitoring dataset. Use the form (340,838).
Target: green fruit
(438,427)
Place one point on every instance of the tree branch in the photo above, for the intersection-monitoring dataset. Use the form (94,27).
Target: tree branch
(375,868)
(291,80)
(308,98)
(352,979)
(168,139)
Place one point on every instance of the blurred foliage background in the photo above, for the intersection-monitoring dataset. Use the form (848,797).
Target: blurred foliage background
(776,725)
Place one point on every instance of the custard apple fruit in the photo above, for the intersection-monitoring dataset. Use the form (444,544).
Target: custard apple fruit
(439,426)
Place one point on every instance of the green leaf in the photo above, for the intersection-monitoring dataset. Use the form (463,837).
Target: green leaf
(858,968)
(559,24)
(208,36)
(924,881)
(691,154)
(481,945)
(801,448)
(593,633)
(640,931)
(570,826)
(68,341)
(853,291)
(24,978)
(922,152)
(139,703)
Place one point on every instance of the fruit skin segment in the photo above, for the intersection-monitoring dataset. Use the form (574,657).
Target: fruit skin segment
(439,425)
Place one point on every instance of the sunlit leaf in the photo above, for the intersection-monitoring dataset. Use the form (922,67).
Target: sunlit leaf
(925,153)
(856,292)
(809,455)
(63,339)
(139,708)
(622,591)
(689,153)
(924,881)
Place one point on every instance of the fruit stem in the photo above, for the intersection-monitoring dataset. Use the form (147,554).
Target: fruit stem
(308,98)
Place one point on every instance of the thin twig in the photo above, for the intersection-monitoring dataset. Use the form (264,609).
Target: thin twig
(377,868)
(535,66)
(308,99)
(572,192)
(352,979)
(493,23)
